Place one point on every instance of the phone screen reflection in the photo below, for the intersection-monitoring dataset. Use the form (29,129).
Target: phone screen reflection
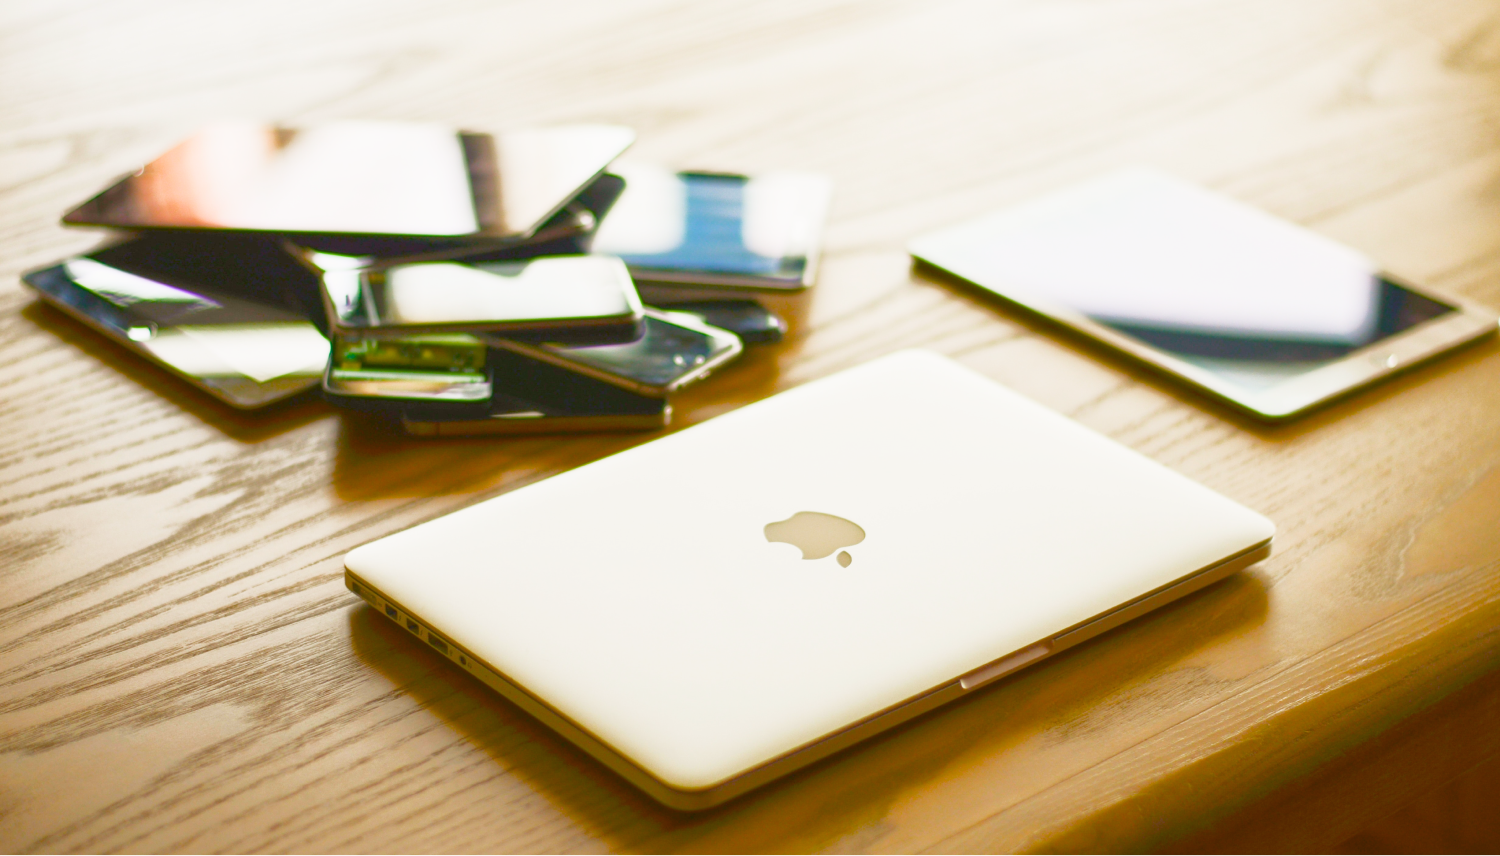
(364,178)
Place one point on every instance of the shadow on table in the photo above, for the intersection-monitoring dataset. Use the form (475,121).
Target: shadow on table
(375,459)
(1103,687)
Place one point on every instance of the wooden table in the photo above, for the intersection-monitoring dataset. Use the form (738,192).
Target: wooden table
(181,667)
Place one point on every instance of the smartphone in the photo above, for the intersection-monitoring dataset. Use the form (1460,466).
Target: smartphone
(674,350)
(1260,313)
(230,318)
(534,397)
(753,323)
(720,230)
(569,232)
(563,298)
(442,367)
(371,179)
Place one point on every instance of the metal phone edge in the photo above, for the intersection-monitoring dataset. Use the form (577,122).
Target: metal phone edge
(538,425)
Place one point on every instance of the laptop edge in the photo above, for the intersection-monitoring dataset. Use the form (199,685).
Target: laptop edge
(828,744)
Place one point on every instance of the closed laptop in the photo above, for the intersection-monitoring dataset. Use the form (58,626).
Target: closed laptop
(721,606)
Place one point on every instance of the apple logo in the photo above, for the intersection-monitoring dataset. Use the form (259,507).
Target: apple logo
(817,535)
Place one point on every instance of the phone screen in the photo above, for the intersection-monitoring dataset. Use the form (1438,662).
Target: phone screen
(221,328)
(554,290)
(686,223)
(672,347)
(1217,284)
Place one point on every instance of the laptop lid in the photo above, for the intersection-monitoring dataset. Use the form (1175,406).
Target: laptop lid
(947,522)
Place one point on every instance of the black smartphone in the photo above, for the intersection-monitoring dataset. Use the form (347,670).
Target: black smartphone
(575,299)
(568,232)
(431,393)
(535,398)
(674,350)
(747,319)
(449,369)
(720,230)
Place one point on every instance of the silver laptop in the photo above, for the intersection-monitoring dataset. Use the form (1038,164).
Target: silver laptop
(722,606)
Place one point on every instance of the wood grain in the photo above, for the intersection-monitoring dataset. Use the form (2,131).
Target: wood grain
(181,668)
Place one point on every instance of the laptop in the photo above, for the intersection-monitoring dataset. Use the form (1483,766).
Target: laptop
(722,606)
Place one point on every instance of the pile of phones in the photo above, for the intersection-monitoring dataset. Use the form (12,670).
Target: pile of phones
(451,281)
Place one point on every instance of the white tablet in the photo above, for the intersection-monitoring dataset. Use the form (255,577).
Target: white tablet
(869,564)
(1257,311)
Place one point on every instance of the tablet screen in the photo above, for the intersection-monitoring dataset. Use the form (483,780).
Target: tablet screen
(233,334)
(1215,283)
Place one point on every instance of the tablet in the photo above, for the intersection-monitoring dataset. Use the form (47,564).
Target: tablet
(1258,312)
(869,563)
(229,316)
(360,178)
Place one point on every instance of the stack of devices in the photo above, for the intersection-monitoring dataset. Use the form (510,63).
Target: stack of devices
(454,282)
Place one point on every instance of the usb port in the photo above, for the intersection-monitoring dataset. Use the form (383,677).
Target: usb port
(413,627)
(391,611)
(437,643)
